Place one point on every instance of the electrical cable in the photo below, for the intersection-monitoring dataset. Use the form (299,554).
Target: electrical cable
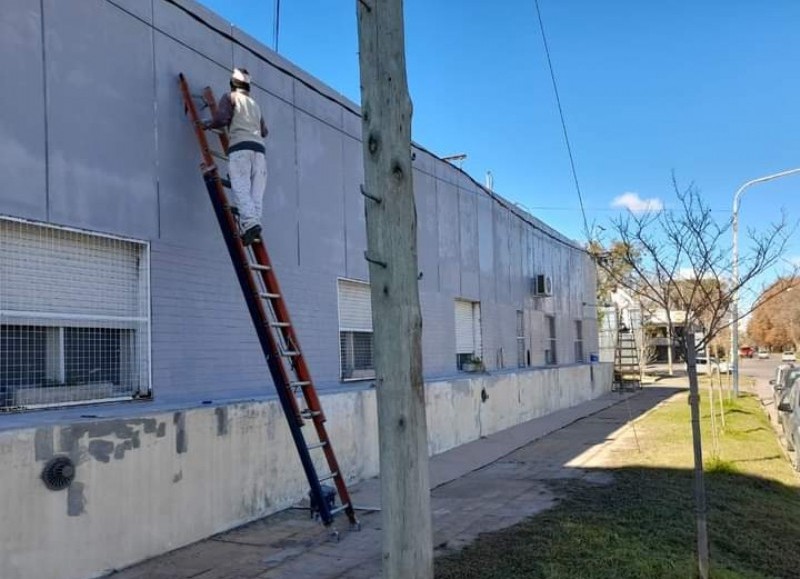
(563,123)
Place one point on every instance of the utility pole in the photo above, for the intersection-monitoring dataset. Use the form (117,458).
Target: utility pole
(397,322)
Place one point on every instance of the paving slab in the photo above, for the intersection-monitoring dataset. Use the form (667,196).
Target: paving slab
(483,486)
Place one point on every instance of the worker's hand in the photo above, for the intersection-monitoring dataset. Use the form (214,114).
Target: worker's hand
(203,124)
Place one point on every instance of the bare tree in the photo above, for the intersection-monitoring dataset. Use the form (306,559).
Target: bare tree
(397,322)
(681,262)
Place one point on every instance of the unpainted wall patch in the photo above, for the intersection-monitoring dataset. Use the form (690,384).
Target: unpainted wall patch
(161,432)
(181,440)
(222,420)
(120,449)
(76,500)
(177,477)
(43,443)
(101,449)
(122,429)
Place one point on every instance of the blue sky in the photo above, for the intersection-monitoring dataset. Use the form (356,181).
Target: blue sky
(710,90)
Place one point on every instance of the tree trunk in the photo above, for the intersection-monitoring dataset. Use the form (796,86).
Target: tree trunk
(397,322)
(669,353)
(701,517)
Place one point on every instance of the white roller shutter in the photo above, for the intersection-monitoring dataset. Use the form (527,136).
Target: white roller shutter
(465,330)
(49,274)
(355,306)
(476,329)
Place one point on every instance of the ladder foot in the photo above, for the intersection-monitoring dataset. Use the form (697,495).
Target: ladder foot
(334,534)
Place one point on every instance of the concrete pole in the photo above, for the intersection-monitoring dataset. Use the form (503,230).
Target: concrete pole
(735,305)
(397,323)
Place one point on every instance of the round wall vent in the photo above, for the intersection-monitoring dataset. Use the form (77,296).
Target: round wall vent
(58,473)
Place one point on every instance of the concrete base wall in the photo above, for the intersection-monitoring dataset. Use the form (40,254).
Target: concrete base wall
(147,485)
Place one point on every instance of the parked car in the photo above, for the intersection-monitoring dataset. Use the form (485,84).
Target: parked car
(704,367)
(788,356)
(789,417)
(784,376)
(763,354)
(746,352)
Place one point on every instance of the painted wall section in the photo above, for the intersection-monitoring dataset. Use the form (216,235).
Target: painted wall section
(147,485)
(100,142)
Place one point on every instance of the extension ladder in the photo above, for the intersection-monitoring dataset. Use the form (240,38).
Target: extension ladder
(627,366)
(275,332)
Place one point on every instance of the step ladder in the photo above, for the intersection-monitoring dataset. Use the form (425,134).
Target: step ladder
(627,367)
(270,317)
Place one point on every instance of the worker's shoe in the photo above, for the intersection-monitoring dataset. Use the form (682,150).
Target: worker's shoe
(251,235)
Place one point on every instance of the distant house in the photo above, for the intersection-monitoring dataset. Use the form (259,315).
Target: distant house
(656,332)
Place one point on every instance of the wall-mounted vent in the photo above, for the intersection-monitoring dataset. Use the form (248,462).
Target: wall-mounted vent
(58,473)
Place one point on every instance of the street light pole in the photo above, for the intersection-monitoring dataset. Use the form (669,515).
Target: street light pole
(735,305)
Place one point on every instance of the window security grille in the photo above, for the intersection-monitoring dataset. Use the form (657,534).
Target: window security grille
(521,361)
(578,341)
(550,357)
(74,317)
(467,332)
(355,330)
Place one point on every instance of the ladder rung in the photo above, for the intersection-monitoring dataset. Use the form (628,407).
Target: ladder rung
(318,445)
(290,353)
(339,509)
(269,296)
(259,267)
(280,324)
(218,155)
(300,384)
(307,413)
(334,474)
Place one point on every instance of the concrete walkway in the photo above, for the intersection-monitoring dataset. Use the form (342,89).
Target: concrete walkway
(483,486)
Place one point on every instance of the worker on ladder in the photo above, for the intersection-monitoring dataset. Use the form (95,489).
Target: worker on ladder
(623,304)
(240,114)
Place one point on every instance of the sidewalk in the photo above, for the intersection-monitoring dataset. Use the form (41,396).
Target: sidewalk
(482,486)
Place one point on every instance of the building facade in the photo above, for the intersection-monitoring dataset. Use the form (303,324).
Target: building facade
(115,286)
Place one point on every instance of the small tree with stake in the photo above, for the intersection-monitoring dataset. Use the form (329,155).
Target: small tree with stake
(680,262)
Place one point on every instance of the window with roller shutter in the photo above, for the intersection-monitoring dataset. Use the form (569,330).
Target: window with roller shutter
(467,331)
(355,330)
(74,316)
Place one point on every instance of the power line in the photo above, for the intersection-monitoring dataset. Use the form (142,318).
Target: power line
(276,28)
(563,123)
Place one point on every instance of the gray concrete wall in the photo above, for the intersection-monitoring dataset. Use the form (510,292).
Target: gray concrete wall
(93,135)
(156,482)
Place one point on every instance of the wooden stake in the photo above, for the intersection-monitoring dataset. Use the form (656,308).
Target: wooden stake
(701,509)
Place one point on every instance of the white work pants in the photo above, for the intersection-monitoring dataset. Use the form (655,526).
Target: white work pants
(248,171)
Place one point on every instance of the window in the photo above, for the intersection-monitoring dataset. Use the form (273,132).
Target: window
(550,342)
(74,317)
(578,341)
(468,332)
(355,330)
(521,358)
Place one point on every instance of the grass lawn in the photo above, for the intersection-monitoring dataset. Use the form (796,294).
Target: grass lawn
(642,524)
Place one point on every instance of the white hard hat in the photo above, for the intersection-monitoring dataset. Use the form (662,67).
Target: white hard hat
(240,75)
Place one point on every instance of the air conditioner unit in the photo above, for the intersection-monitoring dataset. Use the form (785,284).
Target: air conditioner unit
(542,286)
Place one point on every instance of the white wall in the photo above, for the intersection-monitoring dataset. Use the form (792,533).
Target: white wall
(145,486)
